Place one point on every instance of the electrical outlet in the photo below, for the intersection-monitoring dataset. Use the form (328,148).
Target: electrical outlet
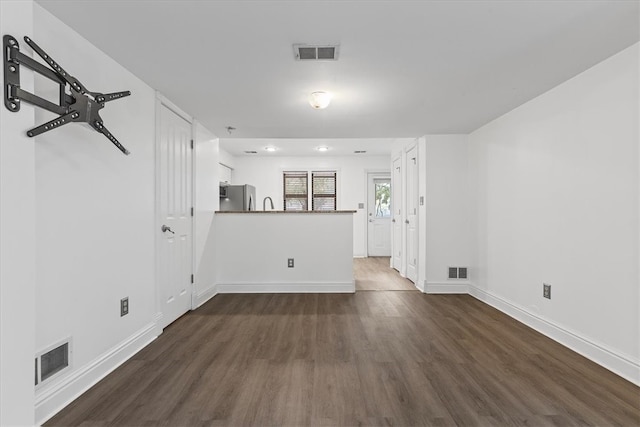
(290,263)
(124,306)
(546,291)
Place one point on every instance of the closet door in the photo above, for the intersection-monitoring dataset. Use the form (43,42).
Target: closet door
(411,214)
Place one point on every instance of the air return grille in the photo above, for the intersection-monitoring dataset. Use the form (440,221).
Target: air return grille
(52,361)
(306,52)
(458,273)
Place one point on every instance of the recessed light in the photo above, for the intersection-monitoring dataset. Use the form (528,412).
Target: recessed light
(322,148)
(270,148)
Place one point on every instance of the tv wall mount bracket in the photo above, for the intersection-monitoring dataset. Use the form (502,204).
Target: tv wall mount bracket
(76,102)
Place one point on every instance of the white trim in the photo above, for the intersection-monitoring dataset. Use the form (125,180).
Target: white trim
(205,296)
(173,107)
(447,288)
(622,365)
(295,287)
(50,399)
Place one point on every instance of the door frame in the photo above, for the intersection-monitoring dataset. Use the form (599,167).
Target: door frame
(397,189)
(160,101)
(369,177)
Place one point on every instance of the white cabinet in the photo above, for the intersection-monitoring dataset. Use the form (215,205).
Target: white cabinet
(225,173)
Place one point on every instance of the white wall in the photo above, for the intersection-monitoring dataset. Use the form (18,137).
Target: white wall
(266,174)
(556,187)
(226,158)
(253,249)
(17,245)
(207,200)
(448,218)
(94,223)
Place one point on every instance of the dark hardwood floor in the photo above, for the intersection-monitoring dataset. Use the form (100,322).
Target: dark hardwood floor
(370,358)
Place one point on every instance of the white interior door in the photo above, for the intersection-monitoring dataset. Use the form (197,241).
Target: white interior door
(379,215)
(411,220)
(396,216)
(175,192)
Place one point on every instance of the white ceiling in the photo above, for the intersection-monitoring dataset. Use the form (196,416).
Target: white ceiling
(307,146)
(405,68)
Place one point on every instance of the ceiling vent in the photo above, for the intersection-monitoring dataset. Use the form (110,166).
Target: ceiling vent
(359,151)
(251,152)
(307,52)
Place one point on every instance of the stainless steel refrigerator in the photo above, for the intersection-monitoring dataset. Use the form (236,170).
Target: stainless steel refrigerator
(238,198)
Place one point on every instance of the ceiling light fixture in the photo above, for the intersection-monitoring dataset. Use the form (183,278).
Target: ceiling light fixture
(270,148)
(322,148)
(319,100)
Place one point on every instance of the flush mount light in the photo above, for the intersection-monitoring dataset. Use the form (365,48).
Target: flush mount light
(322,148)
(319,100)
(270,148)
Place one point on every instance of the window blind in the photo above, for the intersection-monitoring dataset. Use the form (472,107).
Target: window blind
(295,191)
(323,191)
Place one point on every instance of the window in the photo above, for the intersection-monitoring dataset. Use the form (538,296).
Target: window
(383,198)
(295,191)
(323,191)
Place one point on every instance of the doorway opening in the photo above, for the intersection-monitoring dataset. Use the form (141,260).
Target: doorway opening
(379,214)
(375,274)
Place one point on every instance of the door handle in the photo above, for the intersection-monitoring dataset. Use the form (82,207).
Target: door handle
(165,229)
(406,221)
(393,220)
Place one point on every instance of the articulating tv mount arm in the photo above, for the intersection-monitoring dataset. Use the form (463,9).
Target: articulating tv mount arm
(79,105)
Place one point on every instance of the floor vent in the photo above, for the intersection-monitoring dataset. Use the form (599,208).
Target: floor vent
(306,52)
(52,361)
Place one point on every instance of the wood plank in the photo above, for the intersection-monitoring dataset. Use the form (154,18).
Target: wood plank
(370,358)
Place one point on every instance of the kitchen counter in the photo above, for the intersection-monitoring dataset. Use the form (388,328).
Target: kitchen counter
(285,212)
(284,251)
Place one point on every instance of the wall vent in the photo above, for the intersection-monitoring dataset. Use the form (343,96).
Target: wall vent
(52,361)
(458,273)
(307,52)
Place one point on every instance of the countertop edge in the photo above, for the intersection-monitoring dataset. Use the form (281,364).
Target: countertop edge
(287,212)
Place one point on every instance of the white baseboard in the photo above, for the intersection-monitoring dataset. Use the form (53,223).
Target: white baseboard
(447,287)
(295,287)
(205,296)
(621,365)
(51,399)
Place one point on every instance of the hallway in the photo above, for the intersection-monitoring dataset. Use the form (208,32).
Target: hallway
(375,274)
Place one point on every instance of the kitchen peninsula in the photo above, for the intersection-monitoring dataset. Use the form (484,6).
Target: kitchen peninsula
(256,249)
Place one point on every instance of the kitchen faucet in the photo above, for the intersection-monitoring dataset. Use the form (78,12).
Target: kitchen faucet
(264,203)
